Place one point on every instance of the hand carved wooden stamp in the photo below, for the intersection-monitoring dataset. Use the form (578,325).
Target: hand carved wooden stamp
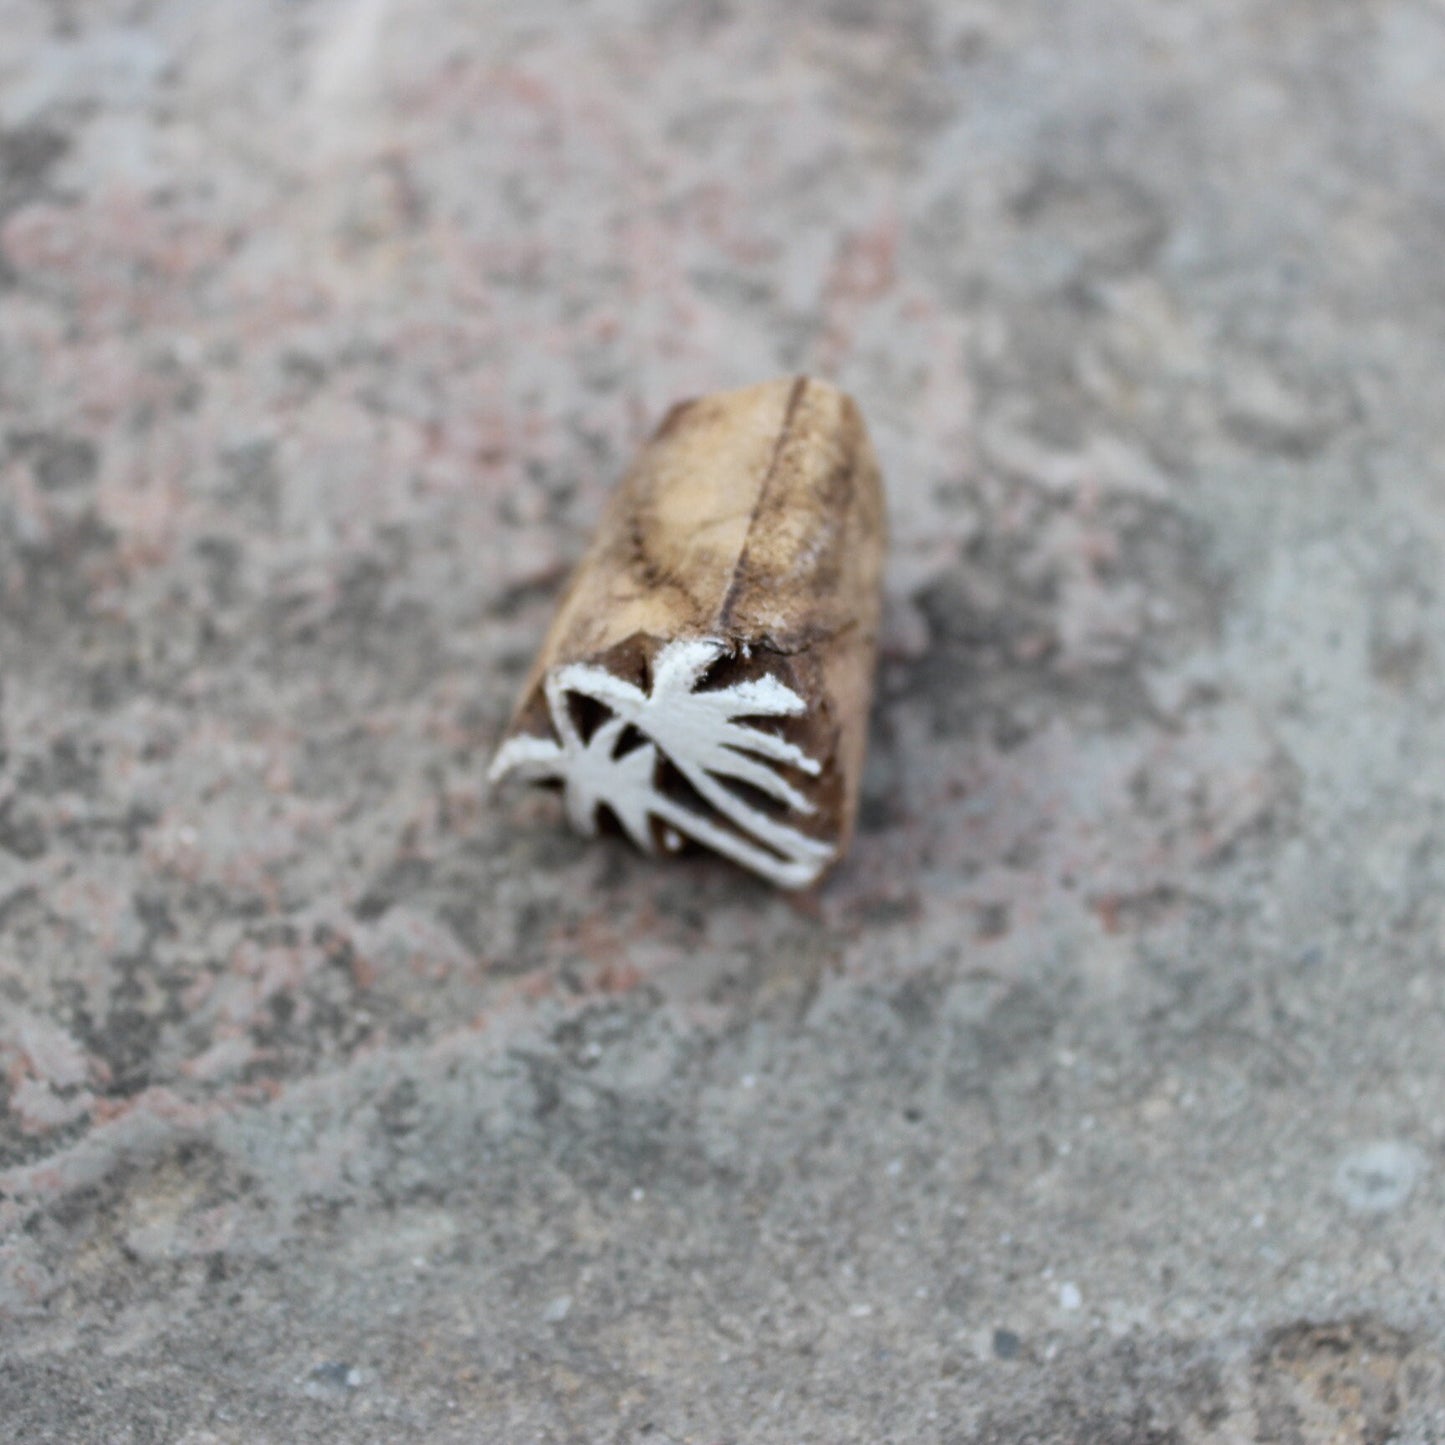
(707,677)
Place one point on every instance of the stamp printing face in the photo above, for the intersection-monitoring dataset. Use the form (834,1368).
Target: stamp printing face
(734,800)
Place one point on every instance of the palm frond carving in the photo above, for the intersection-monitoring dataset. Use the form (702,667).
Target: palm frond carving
(704,735)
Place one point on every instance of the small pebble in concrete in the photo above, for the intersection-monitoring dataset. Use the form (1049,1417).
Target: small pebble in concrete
(1069,1297)
(558,1309)
(332,1377)
(1379,1177)
(1006,1344)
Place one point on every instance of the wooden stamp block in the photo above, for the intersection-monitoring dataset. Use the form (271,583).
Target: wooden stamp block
(708,675)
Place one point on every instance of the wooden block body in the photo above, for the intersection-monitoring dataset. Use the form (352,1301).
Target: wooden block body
(708,675)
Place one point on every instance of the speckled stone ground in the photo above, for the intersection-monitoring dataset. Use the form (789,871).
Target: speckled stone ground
(1100,1098)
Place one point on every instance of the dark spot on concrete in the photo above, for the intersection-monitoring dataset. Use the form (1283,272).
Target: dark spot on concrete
(402,879)
(1105,223)
(252,483)
(221,559)
(21,832)
(61,463)
(27,156)
(993,921)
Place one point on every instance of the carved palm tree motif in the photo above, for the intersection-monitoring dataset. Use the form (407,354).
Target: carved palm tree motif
(703,734)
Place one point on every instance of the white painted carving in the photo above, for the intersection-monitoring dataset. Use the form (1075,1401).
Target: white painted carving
(703,735)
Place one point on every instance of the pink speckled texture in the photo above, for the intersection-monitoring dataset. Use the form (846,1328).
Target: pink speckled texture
(1099,1097)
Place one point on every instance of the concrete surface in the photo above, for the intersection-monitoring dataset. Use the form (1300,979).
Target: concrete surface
(1100,1099)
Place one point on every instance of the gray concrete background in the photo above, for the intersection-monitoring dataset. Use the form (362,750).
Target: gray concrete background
(1101,1097)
